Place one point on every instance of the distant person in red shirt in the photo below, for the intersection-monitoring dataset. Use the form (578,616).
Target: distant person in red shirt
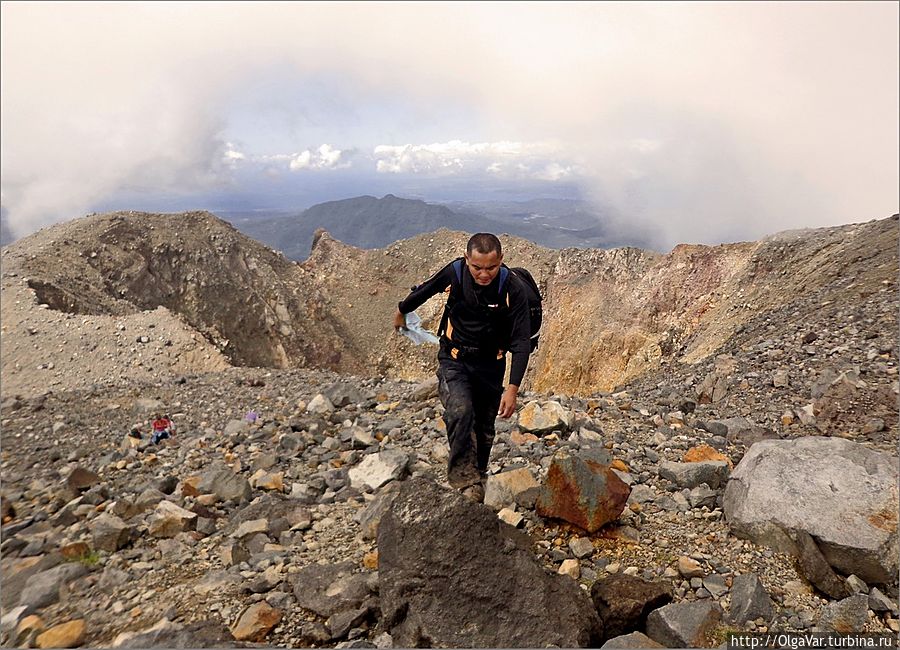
(163,427)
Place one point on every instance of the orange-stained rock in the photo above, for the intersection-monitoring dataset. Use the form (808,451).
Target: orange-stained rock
(705,452)
(74,550)
(582,492)
(256,622)
(519,438)
(189,486)
(619,465)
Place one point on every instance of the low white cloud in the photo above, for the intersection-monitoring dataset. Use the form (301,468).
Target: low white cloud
(504,158)
(325,157)
(232,157)
(554,172)
(301,161)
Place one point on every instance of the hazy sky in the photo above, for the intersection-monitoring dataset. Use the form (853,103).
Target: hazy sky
(705,122)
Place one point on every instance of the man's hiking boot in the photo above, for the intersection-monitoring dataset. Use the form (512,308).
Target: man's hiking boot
(474,493)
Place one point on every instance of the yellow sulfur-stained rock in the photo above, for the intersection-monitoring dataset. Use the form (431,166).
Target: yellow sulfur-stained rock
(67,635)
(255,623)
(570,568)
(370,560)
(189,486)
(519,438)
(28,625)
(703,453)
(74,550)
(263,480)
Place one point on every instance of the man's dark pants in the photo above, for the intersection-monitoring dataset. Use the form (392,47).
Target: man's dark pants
(470,389)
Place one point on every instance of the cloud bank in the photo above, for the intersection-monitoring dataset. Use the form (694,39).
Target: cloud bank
(702,121)
(325,157)
(506,159)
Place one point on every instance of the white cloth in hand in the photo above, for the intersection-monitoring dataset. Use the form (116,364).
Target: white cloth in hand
(414,332)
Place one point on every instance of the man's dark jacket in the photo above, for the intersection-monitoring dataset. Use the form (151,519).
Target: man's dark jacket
(481,317)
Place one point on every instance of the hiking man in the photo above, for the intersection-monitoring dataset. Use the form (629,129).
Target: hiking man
(481,323)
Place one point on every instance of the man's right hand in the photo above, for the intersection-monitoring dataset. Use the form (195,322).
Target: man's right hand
(399,320)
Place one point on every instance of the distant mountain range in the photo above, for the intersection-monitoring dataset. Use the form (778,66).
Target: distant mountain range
(370,222)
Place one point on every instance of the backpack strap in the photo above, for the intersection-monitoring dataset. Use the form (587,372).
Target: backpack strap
(445,317)
(504,274)
(457,268)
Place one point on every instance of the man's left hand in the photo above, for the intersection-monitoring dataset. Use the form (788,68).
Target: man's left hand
(508,401)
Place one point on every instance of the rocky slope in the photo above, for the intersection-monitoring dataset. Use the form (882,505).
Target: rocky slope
(244,302)
(256,523)
(610,315)
(317,455)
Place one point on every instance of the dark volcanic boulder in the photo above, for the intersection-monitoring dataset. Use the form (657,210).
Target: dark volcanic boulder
(329,588)
(201,634)
(451,574)
(624,602)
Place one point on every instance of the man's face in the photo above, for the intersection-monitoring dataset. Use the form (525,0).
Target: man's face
(484,267)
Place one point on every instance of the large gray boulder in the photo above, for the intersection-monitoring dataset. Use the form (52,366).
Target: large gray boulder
(844,495)
(713,473)
(750,600)
(684,625)
(43,589)
(222,481)
(377,469)
(452,575)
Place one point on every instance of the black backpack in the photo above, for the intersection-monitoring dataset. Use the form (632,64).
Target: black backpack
(532,294)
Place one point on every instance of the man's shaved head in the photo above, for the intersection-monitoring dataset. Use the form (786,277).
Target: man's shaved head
(484,242)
